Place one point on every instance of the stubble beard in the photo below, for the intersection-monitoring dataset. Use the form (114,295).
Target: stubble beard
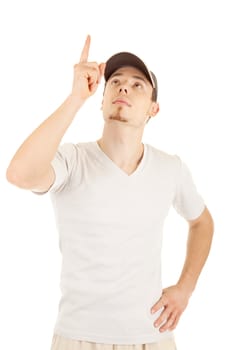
(118,116)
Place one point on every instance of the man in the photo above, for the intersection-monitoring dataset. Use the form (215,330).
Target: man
(111,198)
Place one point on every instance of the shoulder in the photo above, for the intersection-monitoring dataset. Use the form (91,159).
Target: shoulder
(164,158)
(75,148)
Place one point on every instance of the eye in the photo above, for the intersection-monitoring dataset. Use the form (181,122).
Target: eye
(114,81)
(138,85)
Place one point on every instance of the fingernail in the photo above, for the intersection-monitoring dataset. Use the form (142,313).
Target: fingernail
(152,311)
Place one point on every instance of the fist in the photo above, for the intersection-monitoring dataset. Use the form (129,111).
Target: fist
(87,75)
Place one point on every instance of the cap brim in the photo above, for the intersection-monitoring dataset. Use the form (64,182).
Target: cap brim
(123,59)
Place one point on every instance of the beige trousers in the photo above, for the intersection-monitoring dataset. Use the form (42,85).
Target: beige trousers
(61,343)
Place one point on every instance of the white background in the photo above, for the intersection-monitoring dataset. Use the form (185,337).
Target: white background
(188,44)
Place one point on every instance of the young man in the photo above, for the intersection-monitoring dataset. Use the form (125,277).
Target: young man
(111,198)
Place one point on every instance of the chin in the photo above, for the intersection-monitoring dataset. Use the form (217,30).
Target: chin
(118,118)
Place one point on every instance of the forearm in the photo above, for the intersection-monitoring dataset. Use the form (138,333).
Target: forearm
(174,299)
(198,247)
(34,156)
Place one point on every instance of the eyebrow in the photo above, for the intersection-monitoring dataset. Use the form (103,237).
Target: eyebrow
(133,76)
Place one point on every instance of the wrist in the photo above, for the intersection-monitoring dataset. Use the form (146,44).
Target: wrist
(187,284)
(75,101)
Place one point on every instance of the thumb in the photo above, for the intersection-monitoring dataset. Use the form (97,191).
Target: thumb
(101,69)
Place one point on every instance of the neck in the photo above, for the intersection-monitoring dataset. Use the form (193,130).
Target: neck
(126,152)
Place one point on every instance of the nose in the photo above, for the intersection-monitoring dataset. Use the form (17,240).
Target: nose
(123,90)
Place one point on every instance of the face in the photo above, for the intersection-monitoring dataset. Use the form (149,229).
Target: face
(127,98)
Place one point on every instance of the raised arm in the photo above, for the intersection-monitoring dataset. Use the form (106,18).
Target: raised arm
(31,167)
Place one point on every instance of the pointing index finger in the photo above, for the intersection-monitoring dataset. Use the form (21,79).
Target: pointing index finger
(85,51)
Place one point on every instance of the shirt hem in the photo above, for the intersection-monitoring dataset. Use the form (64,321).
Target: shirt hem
(121,340)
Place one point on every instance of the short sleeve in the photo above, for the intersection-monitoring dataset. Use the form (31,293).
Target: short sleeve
(64,164)
(187,201)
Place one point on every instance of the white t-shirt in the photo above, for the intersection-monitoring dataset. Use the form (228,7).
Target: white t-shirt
(110,230)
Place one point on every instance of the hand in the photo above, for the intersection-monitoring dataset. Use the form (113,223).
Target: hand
(87,75)
(174,300)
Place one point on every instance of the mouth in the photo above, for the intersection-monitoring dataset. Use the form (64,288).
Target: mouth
(120,101)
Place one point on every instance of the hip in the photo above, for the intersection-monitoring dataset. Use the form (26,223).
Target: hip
(62,343)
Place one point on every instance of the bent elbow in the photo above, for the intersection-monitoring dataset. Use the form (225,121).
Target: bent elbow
(15,177)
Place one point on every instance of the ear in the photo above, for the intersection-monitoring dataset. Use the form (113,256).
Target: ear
(154,109)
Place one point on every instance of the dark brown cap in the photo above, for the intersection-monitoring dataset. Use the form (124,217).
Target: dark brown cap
(123,59)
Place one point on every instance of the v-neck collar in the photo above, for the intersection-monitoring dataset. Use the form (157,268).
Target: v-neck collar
(109,162)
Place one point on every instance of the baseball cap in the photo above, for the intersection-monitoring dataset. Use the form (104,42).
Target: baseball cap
(123,59)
